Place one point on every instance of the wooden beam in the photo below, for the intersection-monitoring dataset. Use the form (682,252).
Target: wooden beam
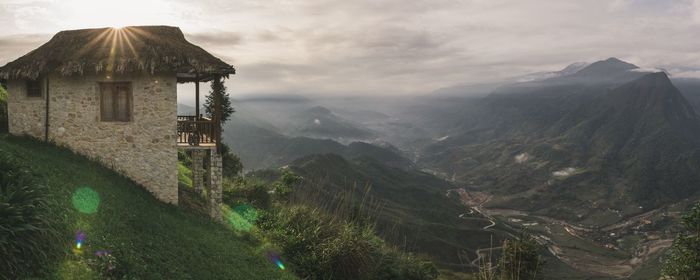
(217,119)
(196,99)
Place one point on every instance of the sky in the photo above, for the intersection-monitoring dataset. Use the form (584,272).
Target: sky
(385,47)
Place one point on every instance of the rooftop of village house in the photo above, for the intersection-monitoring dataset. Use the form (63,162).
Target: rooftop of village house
(134,49)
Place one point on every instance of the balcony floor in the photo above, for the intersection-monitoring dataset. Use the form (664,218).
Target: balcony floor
(204,146)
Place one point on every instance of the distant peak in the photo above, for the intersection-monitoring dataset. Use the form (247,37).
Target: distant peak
(614,59)
(605,68)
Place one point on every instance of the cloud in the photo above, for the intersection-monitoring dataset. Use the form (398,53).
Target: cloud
(395,46)
(14,46)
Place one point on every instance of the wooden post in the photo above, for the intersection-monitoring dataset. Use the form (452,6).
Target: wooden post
(217,119)
(196,100)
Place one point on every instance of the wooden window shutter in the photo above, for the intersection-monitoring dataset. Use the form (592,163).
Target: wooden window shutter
(115,104)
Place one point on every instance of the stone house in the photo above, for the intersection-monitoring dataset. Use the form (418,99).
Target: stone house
(111,94)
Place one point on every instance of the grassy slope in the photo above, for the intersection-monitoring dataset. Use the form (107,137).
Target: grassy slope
(150,240)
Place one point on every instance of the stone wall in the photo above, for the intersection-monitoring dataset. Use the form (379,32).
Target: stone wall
(143,149)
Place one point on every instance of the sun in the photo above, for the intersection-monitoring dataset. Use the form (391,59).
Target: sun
(116,14)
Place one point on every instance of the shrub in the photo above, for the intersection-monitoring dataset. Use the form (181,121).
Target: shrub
(322,247)
(25,229)
(520,258)
(250,191)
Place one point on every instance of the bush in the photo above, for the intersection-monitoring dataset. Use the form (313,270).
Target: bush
(249,191)
(321,247)
(25,228)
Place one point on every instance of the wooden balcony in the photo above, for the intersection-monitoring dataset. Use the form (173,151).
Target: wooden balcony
(196,132)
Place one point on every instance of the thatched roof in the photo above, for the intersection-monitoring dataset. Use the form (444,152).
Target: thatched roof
(136,49)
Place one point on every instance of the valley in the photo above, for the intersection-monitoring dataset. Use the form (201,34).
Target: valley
(600,251)
(597,162)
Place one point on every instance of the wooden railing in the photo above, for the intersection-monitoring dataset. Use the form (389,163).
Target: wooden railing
(196,131)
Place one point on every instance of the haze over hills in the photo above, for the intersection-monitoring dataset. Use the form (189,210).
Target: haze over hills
(589,148)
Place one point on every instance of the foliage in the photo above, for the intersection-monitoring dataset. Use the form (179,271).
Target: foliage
(3,110)
(218,89)
(184,158)
(520,258)
(184,175)
(106,265)
(242,190)
(150,239)
(319,246)
(285,185)
(683,259)
(26,231)
(232,165)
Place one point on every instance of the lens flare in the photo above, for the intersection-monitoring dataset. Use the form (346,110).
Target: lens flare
(86,200)
(276,259)
(279,264)
(79,241)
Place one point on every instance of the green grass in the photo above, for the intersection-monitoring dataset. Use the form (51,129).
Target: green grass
(149,239)
(184,175)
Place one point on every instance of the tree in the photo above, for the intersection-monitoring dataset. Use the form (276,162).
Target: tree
(219,89)
(683,259)
(232,165)
(520,258)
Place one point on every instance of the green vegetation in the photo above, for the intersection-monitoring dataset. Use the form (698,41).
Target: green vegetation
(26,233)
(130,234)
(519,260)
(231,162)
(683,259)
(322,247)
(218,89)
(3,110)
(409,208)
(316,243)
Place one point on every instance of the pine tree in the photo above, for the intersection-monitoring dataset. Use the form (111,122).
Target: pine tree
(219,89)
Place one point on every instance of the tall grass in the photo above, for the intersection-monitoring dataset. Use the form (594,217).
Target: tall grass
(320,246)
(27,235)
(3,110)
(325,235)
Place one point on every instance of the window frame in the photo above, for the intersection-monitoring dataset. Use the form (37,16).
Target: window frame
(40,84)
(115,107)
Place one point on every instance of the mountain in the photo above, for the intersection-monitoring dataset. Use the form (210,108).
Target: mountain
(320,122)
(629,148)
(260,147)
(690,88)
(410,207)
(568,70)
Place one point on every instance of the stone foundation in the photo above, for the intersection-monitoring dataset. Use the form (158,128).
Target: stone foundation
(198,170)
(214,186)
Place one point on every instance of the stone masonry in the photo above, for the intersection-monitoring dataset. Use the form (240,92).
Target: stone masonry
(143,149)
(198,170)
(215,181)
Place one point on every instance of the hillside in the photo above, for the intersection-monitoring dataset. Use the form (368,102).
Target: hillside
(633,147)
(411,208)
(261,148)
(149,239)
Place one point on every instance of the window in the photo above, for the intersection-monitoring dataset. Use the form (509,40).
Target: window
(115,102)
(34,88)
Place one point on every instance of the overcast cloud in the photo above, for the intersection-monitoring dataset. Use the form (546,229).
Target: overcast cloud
(386,46)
